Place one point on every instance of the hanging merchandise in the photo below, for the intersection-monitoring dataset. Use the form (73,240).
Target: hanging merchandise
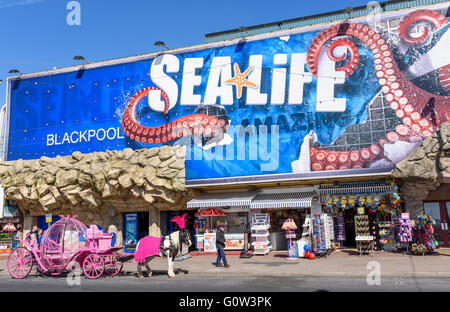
(396,227)
(318,237)
(339,229)
(361,201)
(362,230)
(289,226)
(405,230)
(425,225)
(351,202)
(344,202)
(329,231)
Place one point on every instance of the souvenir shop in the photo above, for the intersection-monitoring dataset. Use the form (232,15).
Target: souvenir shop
(252,219)
(230,209)
(365,215)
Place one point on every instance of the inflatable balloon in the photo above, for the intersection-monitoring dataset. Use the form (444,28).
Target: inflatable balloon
(312,256)
(306,248)
(307,254)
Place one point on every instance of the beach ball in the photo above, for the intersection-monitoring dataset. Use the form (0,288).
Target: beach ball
(312,256)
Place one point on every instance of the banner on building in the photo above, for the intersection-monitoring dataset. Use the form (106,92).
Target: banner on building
(331,99)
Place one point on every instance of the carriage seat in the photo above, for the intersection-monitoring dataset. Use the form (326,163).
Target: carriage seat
(96,239)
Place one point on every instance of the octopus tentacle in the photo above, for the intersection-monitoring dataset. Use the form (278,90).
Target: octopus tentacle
(411,103)
(184,126)
(437,19)
(353,62)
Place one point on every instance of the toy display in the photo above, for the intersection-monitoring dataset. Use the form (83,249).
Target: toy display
(386,237)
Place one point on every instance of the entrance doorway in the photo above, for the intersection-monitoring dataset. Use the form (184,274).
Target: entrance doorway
(440,212)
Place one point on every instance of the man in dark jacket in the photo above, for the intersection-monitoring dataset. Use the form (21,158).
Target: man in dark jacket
(220,245)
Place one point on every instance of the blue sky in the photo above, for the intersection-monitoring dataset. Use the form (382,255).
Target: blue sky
(35,35)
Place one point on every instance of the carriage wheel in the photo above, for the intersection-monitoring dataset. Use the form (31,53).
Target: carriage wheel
(93,266)
(112,266)
(20,262)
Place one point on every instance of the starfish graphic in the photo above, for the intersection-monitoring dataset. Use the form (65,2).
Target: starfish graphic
(239,80)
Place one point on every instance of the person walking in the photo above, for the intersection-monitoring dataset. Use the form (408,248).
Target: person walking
(220,245)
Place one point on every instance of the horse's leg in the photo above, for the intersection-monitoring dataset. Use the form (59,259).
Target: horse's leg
(139,270)
(147,267)
(170,263)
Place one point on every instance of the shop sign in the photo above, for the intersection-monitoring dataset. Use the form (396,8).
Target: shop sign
(327,100)
(364,238)
(48,218)
(209,242)
(10,210)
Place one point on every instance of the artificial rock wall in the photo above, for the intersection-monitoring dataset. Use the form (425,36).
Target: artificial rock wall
(425,169)
(98,187)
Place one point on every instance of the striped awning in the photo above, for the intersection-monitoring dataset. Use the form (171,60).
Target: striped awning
(282,200)
(228,199)
(354,189)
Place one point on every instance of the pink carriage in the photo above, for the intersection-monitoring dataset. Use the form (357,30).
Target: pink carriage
(66,242)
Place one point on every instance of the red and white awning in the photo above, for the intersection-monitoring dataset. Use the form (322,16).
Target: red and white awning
(209,212)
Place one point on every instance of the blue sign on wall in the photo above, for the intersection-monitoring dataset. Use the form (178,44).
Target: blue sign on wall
(342,98)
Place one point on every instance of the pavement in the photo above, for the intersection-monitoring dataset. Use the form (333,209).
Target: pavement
(344,263)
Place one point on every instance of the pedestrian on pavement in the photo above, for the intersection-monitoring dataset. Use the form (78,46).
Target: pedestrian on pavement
(220,245)
(35,233)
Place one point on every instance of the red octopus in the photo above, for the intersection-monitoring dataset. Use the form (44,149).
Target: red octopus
(184,126)
(412,104)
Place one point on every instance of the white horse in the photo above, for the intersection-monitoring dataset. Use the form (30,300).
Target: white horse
(170,247)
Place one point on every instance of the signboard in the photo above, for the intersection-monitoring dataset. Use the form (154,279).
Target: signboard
(48,218)
(131,229)
(336,99)
(10,210)
(209,242)
(234,241)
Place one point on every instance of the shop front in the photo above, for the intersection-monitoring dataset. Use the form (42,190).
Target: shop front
(11,227)
(230,209)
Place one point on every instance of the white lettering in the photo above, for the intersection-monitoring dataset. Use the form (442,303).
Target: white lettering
(50,139)
(190,80)
(278,93)
(297,78)
(220,69)
(254,95)
(104,134)
(327,77)
(163,81)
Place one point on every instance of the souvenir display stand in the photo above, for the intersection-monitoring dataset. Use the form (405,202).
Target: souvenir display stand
(339,229)
(363,238)
(329,230)
(260,232)
(289,226)
(385,232)
(425,241)
(306,237)
(318,236)
(405,235)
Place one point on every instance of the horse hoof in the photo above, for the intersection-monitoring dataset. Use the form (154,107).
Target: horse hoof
(172,276)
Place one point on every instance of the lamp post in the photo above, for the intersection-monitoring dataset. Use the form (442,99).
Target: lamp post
(80,58)
(161,44)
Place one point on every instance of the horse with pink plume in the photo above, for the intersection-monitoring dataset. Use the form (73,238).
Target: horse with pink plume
(150,247)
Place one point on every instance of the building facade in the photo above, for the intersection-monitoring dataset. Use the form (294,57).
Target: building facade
(277,117)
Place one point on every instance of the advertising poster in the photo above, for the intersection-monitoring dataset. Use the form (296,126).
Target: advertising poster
(335,99)
(209,242)
(131,230)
